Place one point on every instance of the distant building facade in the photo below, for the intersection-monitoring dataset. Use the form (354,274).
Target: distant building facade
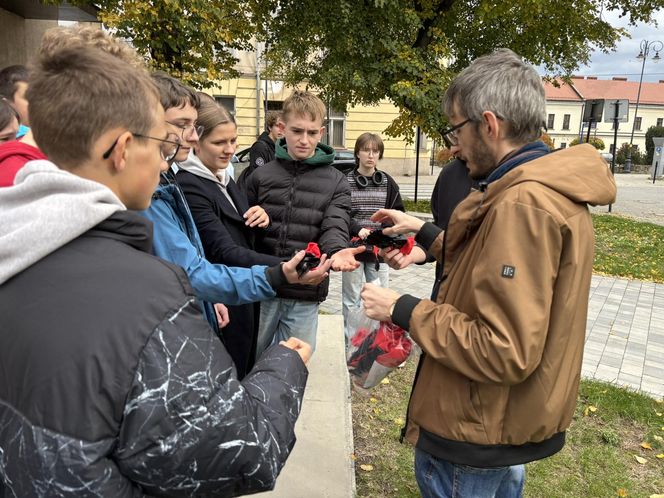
(565,107)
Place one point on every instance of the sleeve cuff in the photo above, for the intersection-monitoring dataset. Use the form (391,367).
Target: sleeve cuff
(427,234)
(275,276)
(403,309)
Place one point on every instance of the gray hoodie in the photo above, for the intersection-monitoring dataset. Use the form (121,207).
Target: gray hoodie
(194,166)
(45,209)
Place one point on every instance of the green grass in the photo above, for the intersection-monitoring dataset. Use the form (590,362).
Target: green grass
(421,206)
(628,248)
(597,461)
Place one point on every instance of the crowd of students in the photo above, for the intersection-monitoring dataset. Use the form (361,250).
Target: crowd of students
(158,323)
(133,357)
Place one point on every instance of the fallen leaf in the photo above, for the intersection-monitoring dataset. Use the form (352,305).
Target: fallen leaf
(656,496)
(659,401)
(398,421)
(622,492)
(373,400)
(640,459)
(592,408)
(353,457)
(586,412)
(660,456)
(658,438)
(659,414)
(646,445)
(385,381)
(366,468)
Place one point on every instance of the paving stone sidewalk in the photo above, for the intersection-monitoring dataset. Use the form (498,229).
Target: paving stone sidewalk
(624,333)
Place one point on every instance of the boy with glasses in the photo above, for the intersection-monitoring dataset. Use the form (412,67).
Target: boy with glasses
(113,384)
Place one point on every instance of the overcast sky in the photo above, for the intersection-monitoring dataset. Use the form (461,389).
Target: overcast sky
(624,58)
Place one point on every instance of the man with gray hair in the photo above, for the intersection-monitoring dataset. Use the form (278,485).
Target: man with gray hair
(503,343)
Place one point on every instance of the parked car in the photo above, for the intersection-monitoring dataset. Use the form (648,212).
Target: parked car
(344,160)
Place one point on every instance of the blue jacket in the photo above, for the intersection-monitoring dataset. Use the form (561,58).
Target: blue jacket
(176,240)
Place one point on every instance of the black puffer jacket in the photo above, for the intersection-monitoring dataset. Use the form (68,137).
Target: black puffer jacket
(113,384)
(307,201)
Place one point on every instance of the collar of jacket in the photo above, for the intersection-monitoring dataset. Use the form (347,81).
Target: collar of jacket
(128,227)
(265,137)
(528,152)
(323,156)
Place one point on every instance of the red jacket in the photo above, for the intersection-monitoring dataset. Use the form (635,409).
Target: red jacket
(13,156)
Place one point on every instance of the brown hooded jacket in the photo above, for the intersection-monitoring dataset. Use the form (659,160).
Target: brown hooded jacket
(503,344)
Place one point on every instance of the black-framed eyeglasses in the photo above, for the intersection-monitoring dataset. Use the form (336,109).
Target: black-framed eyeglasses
(450,134)
(187,130)
(168,148)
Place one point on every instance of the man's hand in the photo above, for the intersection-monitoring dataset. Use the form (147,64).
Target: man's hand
(344,260)
(256,217)
(377,301)
(363,233)
(401,222)
(299,346)
(312,277)
(222,315)
(398,261)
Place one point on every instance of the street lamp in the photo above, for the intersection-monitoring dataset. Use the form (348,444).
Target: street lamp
(646,46)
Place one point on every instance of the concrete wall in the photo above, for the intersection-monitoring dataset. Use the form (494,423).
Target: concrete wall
(12,39)
(20,38)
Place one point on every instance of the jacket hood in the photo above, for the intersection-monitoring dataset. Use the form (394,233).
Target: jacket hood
(194,166)
(265,137)
(45,209)
(323,156)
(579,173)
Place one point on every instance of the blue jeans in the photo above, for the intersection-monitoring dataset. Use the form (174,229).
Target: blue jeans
(351,285)
(284,318)
(441,479)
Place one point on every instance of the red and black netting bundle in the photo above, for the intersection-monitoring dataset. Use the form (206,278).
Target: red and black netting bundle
(375,350)
(311,259)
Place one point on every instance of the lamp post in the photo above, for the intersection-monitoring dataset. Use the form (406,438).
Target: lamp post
(645,47)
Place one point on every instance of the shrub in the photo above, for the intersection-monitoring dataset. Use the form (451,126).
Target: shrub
(598,143)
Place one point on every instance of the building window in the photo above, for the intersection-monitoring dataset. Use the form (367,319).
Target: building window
(549,122)
(563,145)
(566,119)
(660,121)
(275,105)
(637,123)
(227,102)
(335,128)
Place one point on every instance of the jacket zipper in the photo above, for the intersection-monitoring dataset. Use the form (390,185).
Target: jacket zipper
(283,235)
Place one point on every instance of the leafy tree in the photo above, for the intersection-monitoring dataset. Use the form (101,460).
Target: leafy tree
(598,143)
(193,40)
(547,140)
(637,156)
(365,51)
(653,131)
